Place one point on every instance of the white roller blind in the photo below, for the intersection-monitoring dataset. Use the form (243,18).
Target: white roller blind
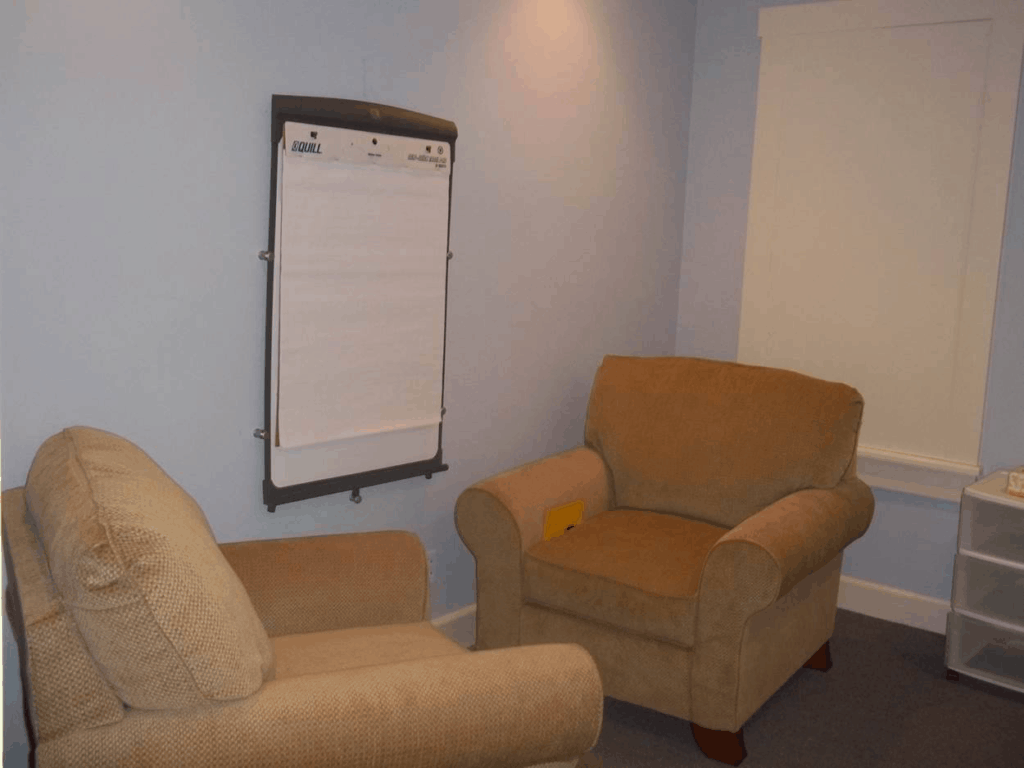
(878,192)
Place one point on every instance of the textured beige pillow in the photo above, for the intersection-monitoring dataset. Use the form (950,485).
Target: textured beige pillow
(163,614)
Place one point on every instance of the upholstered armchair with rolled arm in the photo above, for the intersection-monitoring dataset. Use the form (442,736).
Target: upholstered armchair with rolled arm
(712,504)
(145,643)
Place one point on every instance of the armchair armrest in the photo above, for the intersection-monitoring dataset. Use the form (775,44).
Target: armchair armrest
(794,537)
(502,517)
(750,568)
(512,707)
(318,583)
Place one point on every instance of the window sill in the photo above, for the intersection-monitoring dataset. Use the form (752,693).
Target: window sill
(915,475)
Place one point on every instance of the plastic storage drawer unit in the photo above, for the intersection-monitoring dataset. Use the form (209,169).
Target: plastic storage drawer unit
(985,629)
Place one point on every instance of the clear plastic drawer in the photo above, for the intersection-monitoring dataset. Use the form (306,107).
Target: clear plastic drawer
(985,651)
(992,521)
(992,589)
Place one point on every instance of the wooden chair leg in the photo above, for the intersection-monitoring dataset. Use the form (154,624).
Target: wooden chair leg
(723,746)
(821,660)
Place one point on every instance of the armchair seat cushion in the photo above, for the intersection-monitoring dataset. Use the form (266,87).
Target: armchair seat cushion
(628,568)
(319,653)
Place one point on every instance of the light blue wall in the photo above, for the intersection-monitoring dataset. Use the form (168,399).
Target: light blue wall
(134,202)
(912,541)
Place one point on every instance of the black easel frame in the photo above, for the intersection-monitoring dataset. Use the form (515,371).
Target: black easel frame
(362,116)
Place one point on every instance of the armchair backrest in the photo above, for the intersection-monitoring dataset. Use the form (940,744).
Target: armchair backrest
(718,441)
(121,593)
(63,689)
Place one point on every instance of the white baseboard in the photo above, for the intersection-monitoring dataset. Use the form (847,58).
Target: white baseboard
(884,602)
(858,595)
(448,618)
(458,625)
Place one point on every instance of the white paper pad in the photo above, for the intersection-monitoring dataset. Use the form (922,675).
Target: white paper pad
(363,248)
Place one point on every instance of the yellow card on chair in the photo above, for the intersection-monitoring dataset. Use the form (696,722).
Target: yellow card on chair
(561,519)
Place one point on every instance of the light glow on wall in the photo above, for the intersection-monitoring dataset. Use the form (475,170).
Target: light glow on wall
(552,48)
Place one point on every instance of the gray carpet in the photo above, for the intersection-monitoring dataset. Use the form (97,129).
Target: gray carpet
(885,702)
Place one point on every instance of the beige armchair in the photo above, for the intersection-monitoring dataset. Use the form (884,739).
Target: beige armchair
(144,643)
(703,569)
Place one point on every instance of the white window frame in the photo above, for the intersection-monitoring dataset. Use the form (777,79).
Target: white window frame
(928,473)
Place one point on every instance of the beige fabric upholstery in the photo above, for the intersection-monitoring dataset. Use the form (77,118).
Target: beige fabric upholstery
(464,710)
(50,645)
(314,583)
(317,653)
(500,518)
(665,676)
(628,568)
(793,627)
(707,573)
(163,615)
(717,441)
(633,668)
(366,681)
